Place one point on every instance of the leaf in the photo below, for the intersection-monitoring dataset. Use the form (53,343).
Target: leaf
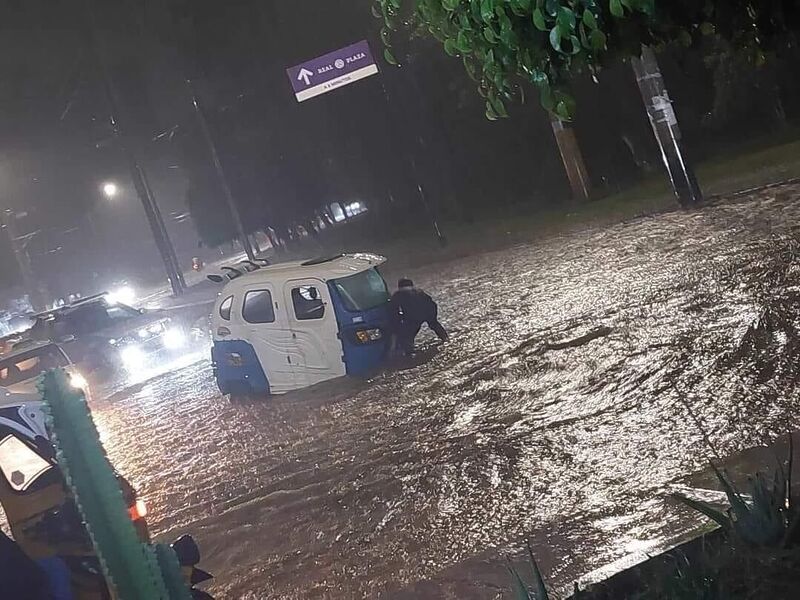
(450,46)
(555,38)
(520,589)
(376,12)
(738,505)
(509,37)
(463,43)
(538,20)
(565,105)
(615,7)
(541,590)
(539,78)
(490,35)
(551,7)
(490,114)
(389,57)
(499,107)
(566,19)
(517,9)
(584,38)
(386,36)
(469,66)
(712,513)
(598,40)
(450,5)
(589,19)
(562,111)
(487,11)
(546,97)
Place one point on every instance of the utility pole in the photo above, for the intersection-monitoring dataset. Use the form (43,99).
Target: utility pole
(573,159)
(402,138)
(19,247)
(665,127)
(143,190)
(226,190)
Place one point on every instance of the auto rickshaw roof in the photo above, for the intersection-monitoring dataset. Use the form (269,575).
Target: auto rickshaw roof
(334,267)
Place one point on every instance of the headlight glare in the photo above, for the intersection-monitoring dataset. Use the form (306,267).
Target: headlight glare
(174,338)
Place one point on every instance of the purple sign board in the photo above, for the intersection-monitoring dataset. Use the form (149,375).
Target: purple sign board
(334,70)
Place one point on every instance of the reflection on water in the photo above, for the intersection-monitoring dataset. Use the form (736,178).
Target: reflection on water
(557,412)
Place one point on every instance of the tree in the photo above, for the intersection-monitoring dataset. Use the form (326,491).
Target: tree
(506,42)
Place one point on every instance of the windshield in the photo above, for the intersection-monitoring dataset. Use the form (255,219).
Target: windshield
(362,291)
(27,365)
(92,317)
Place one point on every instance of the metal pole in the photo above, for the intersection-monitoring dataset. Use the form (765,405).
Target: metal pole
(226,190)
(665,127)
(440,237)
(152,212)
(173,257)
(23,261)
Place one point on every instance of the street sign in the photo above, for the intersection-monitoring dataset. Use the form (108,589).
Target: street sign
(331,71)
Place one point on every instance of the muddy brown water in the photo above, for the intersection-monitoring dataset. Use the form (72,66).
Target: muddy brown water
(557,413)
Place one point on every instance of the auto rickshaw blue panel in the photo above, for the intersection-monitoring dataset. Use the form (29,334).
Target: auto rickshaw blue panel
(237,368)
(361,359)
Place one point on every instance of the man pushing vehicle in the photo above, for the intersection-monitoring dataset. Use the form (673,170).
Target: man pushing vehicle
(411,307)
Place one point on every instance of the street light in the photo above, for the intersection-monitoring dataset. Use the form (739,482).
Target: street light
(110,189)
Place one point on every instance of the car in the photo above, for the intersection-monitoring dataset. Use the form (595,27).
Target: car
(98,334)
(21,368)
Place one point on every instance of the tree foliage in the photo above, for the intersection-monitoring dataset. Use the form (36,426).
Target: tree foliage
(504,43)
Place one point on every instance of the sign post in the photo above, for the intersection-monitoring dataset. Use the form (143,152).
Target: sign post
(333,70)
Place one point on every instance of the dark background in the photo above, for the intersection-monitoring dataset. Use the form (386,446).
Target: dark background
(285,160)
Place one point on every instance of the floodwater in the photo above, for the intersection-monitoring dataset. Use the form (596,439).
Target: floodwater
(583,376)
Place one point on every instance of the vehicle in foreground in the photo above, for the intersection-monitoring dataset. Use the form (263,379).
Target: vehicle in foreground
(21,368)
(288,326)
(44,519)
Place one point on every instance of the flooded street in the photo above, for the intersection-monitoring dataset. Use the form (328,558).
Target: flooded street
(557,413)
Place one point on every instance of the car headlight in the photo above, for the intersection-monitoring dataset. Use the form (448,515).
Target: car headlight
(365,336)
(124,295)
(143,333)
(78,381)
(174,338)
(132,356)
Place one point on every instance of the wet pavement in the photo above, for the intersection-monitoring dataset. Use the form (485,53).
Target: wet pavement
(584,375)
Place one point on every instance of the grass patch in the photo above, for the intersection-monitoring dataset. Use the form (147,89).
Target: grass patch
(744,167)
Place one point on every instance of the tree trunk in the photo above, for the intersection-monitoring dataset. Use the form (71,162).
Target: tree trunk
(573,160)
(665,127)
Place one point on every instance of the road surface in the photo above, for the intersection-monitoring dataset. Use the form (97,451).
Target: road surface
(583,375)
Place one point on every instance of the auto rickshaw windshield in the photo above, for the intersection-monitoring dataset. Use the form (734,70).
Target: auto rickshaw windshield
(363,291)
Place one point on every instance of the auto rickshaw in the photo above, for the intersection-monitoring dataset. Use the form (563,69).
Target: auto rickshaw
(44,519)
(279,328)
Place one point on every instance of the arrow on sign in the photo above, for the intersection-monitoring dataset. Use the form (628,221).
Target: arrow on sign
(304,75)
